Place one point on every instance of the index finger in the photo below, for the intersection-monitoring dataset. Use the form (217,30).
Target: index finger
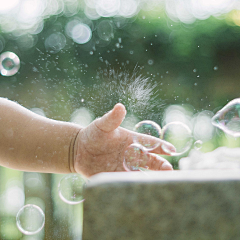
(152,144)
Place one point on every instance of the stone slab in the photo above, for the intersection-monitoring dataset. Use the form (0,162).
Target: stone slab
(181,205)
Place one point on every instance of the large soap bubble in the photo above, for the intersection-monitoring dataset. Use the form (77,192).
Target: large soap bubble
(228,118)
(135,158)
(178,134)
(70,188)
(30,219)
(149,128)
(9,63)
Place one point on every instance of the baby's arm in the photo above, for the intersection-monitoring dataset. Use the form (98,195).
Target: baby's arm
(30,142)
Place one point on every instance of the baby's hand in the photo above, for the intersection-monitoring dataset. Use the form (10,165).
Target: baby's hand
(100,147)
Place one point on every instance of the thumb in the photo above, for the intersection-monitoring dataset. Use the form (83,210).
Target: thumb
(111,120)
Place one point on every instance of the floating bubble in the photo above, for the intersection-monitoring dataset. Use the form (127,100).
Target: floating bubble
(9,63)
(228,118)
(105,30)
(178,134)
(198,145)
(150,62)
(149,128)
(135,158)
(55,42)
(70,188)
(30,219)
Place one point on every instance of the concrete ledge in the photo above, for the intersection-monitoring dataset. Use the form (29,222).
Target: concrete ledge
(182,205)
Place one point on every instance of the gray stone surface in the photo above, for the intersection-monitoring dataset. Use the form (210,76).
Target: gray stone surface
(181,205)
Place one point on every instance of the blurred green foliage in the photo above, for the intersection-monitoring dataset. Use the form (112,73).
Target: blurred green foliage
(191,64)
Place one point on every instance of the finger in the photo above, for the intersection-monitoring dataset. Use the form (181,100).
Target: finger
(167,150)
(158,163)
(145,139)
(111,120)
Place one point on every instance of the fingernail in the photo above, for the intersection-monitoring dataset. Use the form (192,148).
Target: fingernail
(167,166)
(170,148)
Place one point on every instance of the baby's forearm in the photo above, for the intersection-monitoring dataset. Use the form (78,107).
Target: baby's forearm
(30,142)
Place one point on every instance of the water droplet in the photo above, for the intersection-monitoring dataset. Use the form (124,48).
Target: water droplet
(215,68)
(198,145)
(135,158)
(228,118)
(70,188)
(149,128)
(150,62)
(178,134)
(30,219)
(9,63)
(91,52)
(131,52)
(194,70)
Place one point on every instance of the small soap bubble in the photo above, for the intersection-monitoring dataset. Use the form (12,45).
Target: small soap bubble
(70,188)
(150,62)
(30,219)
(178,134)
(194,70)
(228,118)
(215,68)
(9,64)
(135,158)
(149,128)
(198,145)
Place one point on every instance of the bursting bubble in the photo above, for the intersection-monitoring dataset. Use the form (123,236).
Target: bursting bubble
(149,128)
(30,219)
(70,188)
(9,64)
(135,158)
(178,134)
(228,118)
(198,145)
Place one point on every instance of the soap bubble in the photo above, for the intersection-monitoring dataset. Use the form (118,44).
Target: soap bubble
(198,145)
(135,158)
(149,128)
(9,64)
(30,219)
(70,188)
(228,118)
(178,134)
(150,62)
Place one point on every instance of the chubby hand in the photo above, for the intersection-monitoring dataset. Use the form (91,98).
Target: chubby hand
(100,146)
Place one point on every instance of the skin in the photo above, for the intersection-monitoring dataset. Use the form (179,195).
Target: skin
(33,143)
(101,145)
